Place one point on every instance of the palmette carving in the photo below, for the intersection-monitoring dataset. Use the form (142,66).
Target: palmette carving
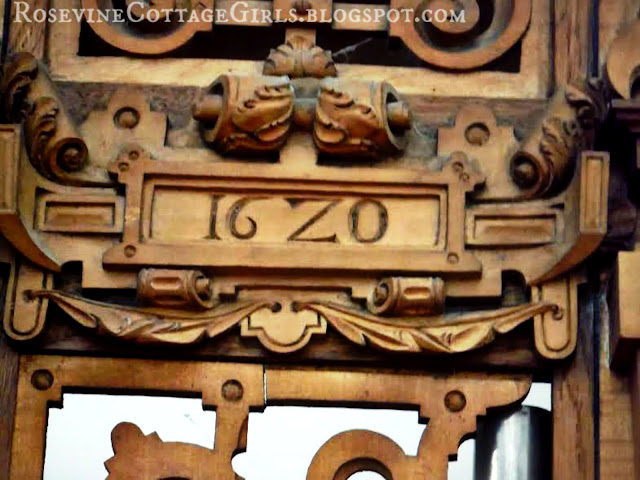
(299,57)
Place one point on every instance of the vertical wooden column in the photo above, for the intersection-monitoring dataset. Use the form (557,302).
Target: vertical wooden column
(572,40)
(574,450)
(573,426)
(8,388)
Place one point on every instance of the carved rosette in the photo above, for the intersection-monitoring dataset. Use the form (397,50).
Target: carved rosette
(300,57)
(54,146)
(545,161)
(357,118)
(246,114)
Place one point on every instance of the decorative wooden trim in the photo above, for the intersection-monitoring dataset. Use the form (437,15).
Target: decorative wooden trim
(573,400)
(452,406)
(531,82)
(443,334)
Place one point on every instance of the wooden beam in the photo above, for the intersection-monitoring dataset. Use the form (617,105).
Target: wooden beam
(573,426)
(572,40)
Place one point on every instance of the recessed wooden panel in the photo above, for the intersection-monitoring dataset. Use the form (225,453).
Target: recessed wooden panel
(80,214)
(229,217)
(510,229)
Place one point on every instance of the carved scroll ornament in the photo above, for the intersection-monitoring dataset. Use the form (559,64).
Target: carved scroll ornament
(546,159)
(242,115)
(55,148)
(149,28)
(457,45)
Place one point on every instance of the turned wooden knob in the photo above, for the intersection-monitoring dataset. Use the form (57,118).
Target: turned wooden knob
(399,116)
(208,109)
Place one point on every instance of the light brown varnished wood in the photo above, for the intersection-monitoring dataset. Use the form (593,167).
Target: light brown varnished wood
(451,405)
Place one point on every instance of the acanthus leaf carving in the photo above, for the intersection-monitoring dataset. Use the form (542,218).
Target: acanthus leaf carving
(151,325)
(246,115)
(436,334)
(443,334)
(546,159)
(54,146)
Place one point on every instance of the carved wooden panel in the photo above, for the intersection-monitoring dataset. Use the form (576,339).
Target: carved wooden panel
(426,43)
(451,405)
(292,207)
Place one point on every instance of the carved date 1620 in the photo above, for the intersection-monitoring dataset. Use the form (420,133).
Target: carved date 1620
(350,220)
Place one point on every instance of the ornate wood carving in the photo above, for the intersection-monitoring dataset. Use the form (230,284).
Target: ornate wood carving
(54,146)
(452,405)
(300,57)
(137,30)
(405,235)
(546,159)
(431,41)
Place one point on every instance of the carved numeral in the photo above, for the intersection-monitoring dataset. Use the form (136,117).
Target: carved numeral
(295,236)
(354,220)
(232,219)
(215,202)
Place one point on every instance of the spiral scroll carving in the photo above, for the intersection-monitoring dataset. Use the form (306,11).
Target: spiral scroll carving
(489,29)
(151,27)
(55,148)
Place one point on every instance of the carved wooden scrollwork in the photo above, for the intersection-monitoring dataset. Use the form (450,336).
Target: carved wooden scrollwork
(451,407)
(623,62)
(546,159)
(489,30)
(359,119)
(307,239)
(439,333)
(55,147)
(252,115)
(149,28)
(245,115)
